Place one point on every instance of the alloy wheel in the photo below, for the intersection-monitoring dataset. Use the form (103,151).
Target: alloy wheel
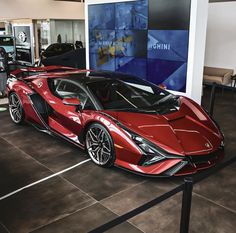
(15,108)
(99,145)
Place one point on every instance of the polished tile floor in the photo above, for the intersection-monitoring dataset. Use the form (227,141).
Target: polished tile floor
(87,196)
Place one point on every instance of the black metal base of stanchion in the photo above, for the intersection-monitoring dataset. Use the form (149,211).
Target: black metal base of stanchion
(186,205)
(212,99)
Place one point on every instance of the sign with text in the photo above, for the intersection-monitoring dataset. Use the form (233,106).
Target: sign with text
(24,46)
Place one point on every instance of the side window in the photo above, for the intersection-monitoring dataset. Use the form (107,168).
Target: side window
(54,48)
(51,48)
(66,89)
(67,47)
(57,48)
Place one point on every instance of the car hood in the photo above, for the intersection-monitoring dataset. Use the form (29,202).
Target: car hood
(188,131)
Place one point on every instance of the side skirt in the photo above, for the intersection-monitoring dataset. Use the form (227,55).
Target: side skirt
(56,134)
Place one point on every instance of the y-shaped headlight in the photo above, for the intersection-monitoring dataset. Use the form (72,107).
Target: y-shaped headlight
(151,154)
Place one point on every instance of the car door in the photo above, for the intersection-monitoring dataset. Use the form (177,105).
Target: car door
(65,115)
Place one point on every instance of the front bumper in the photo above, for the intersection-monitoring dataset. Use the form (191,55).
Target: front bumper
(176,167)
(201,162)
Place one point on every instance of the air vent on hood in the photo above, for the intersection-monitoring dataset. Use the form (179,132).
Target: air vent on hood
(173,119)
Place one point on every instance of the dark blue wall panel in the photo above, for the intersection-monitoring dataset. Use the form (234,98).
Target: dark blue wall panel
(146,38)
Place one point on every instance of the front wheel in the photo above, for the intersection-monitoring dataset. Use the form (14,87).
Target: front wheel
(16,109)
(99,145)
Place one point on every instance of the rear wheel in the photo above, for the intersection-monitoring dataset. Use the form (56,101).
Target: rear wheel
(16,109)
(99,145)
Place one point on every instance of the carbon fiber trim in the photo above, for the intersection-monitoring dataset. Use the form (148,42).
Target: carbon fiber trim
(176,168)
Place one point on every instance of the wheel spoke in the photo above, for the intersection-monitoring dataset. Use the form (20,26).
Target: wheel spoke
(93,150)
(105,147)
(93,144)
(15,116)
(18,104)
(18,115)
(12,106)
(103,137)
(99,134)
(100,156)
(14,100)
(106,153)
(106,156)
(101,160)
(93,137)
(14,110)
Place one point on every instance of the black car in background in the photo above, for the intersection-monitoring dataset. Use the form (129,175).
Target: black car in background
(57,49)
(64,54)
(7,42)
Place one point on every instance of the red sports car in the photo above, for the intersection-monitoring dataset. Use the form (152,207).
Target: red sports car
(119,119)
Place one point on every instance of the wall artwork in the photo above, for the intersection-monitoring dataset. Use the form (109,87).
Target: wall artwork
(146,38)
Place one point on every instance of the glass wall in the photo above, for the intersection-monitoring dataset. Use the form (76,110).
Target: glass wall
(67,31)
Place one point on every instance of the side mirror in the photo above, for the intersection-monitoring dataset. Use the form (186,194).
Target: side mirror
(73,102)
(162,86)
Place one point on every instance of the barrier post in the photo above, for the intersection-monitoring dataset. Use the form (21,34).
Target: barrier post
(186,205)
(212,99)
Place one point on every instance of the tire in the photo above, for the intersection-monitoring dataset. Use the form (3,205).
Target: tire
(15,109)
(99,145)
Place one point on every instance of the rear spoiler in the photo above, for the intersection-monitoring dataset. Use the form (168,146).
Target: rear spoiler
(24,73)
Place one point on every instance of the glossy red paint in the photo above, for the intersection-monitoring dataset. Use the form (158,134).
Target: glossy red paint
(186,133)
(41,69)
(71,101)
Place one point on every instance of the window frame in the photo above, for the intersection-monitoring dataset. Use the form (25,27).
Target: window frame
(80,86)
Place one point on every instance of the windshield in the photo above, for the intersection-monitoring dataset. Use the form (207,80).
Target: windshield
(60,47)
(7,43)
(131,95)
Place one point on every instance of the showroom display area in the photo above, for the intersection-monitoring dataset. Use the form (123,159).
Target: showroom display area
(32,37)
(49,185)
(48,21)
(88,196)
(186,61)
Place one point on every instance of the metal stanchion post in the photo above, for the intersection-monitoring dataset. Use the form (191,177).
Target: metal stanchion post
(212,99)
(186,205)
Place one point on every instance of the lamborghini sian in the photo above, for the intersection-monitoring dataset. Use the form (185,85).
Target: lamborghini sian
(118,119)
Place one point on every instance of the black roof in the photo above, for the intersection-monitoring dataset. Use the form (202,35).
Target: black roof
(94,76)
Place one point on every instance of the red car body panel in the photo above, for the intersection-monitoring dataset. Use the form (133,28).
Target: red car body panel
(188,132)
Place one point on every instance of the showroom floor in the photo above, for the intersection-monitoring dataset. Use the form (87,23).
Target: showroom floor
(87,196)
